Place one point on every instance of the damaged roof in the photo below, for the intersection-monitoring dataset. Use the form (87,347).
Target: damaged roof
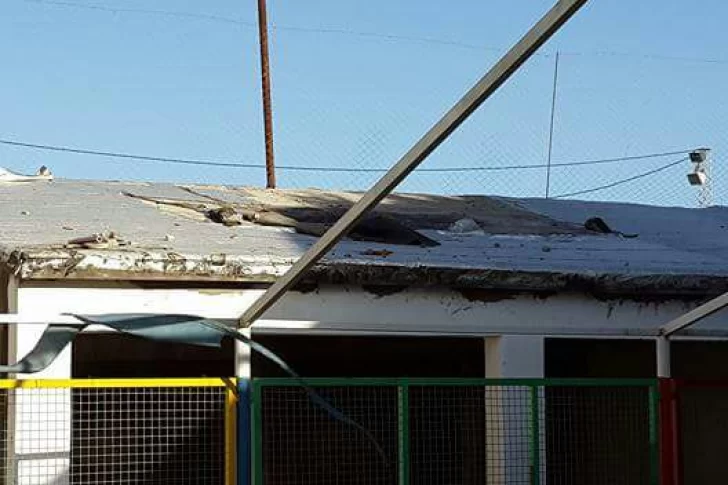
(150,231)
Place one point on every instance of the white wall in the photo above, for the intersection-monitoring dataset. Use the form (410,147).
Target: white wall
(339,309)
(350,309)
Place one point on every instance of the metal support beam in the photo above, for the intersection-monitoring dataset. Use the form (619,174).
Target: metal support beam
(483,89)
(694,316)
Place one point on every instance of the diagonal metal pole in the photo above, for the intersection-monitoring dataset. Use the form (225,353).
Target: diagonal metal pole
(549,24)
(694,316)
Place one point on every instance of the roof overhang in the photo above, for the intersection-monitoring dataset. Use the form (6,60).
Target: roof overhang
(133,265)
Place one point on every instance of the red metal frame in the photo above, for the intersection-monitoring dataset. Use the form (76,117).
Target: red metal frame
(669,433)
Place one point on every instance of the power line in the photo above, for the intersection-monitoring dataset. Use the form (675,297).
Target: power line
(374,35)
(82,151)
(167,13)
(623,181)
(653,57)
(218,163)
(288,28)
(560,164)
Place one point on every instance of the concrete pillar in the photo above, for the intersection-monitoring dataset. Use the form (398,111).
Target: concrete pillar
(42,417)
(508,409)
(243,358)
(514,357)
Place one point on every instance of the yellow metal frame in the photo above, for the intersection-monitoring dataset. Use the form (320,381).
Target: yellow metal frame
(231,400)
(111,383)
(231,433)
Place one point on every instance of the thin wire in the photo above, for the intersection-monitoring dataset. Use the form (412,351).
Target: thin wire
(376,35)
(551,123)
(214,163)
(651,57)
(81,151)
(230,20)
(167,13)
(623,181)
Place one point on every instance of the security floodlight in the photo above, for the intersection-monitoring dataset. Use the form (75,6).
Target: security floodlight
(700,176)
(700,155)
(697,178)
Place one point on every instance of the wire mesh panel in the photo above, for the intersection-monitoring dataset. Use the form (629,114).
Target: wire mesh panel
(470,434)
(599,435)
(703,431)
(104,432)
(451,432)
(301,443)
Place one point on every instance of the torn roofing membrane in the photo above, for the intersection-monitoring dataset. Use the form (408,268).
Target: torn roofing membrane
(187,329)
(166,232)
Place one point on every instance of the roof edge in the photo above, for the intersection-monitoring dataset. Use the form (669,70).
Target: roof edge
(95,265)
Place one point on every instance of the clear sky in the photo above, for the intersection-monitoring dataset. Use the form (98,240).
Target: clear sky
(185,84)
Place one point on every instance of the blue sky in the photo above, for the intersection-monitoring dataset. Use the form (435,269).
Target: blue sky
(184,86)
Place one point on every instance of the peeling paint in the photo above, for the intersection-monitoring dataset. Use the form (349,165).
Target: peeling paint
(610,310)
(384,290)
(486,295)
(461,309)
(306,287)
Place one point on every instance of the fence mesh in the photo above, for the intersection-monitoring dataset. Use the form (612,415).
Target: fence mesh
(703,428)
(355,84)
(599,435)
(302,444)
(456,432)
(114,435)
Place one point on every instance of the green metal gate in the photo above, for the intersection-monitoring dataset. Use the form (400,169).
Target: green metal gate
(456,431)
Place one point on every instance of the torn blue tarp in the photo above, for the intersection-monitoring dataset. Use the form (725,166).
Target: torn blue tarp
(186,329)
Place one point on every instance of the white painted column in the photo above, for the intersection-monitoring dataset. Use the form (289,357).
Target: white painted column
(243,357)
(508,410)
(42,416)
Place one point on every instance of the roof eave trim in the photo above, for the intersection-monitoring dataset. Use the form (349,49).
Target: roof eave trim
(167,266)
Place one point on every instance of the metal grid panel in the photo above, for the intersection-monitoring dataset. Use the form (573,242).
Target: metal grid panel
(599,435)
(79,433)
(302,444)
(703,431)
(458,432)
(471,434)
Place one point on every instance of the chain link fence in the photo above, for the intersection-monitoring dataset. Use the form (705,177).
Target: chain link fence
(350,98)
(609,108)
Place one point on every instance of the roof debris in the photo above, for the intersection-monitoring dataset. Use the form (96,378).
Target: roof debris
(526,244)
(465,226)
(310,221)
(104,240)
(43,173)
(377,252)
(597,224)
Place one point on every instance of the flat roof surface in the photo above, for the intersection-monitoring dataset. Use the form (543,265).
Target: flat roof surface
(529,244)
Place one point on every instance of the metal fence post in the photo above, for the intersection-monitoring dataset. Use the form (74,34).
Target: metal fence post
(654,419)
(256,433)
(231,431)
(244,434)
(668,435)
(535,437)
(404,433)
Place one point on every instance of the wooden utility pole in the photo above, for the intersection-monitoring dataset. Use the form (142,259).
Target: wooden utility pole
(270,167)
(549,24)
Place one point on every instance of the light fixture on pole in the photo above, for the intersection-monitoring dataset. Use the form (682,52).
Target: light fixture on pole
(700,176)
